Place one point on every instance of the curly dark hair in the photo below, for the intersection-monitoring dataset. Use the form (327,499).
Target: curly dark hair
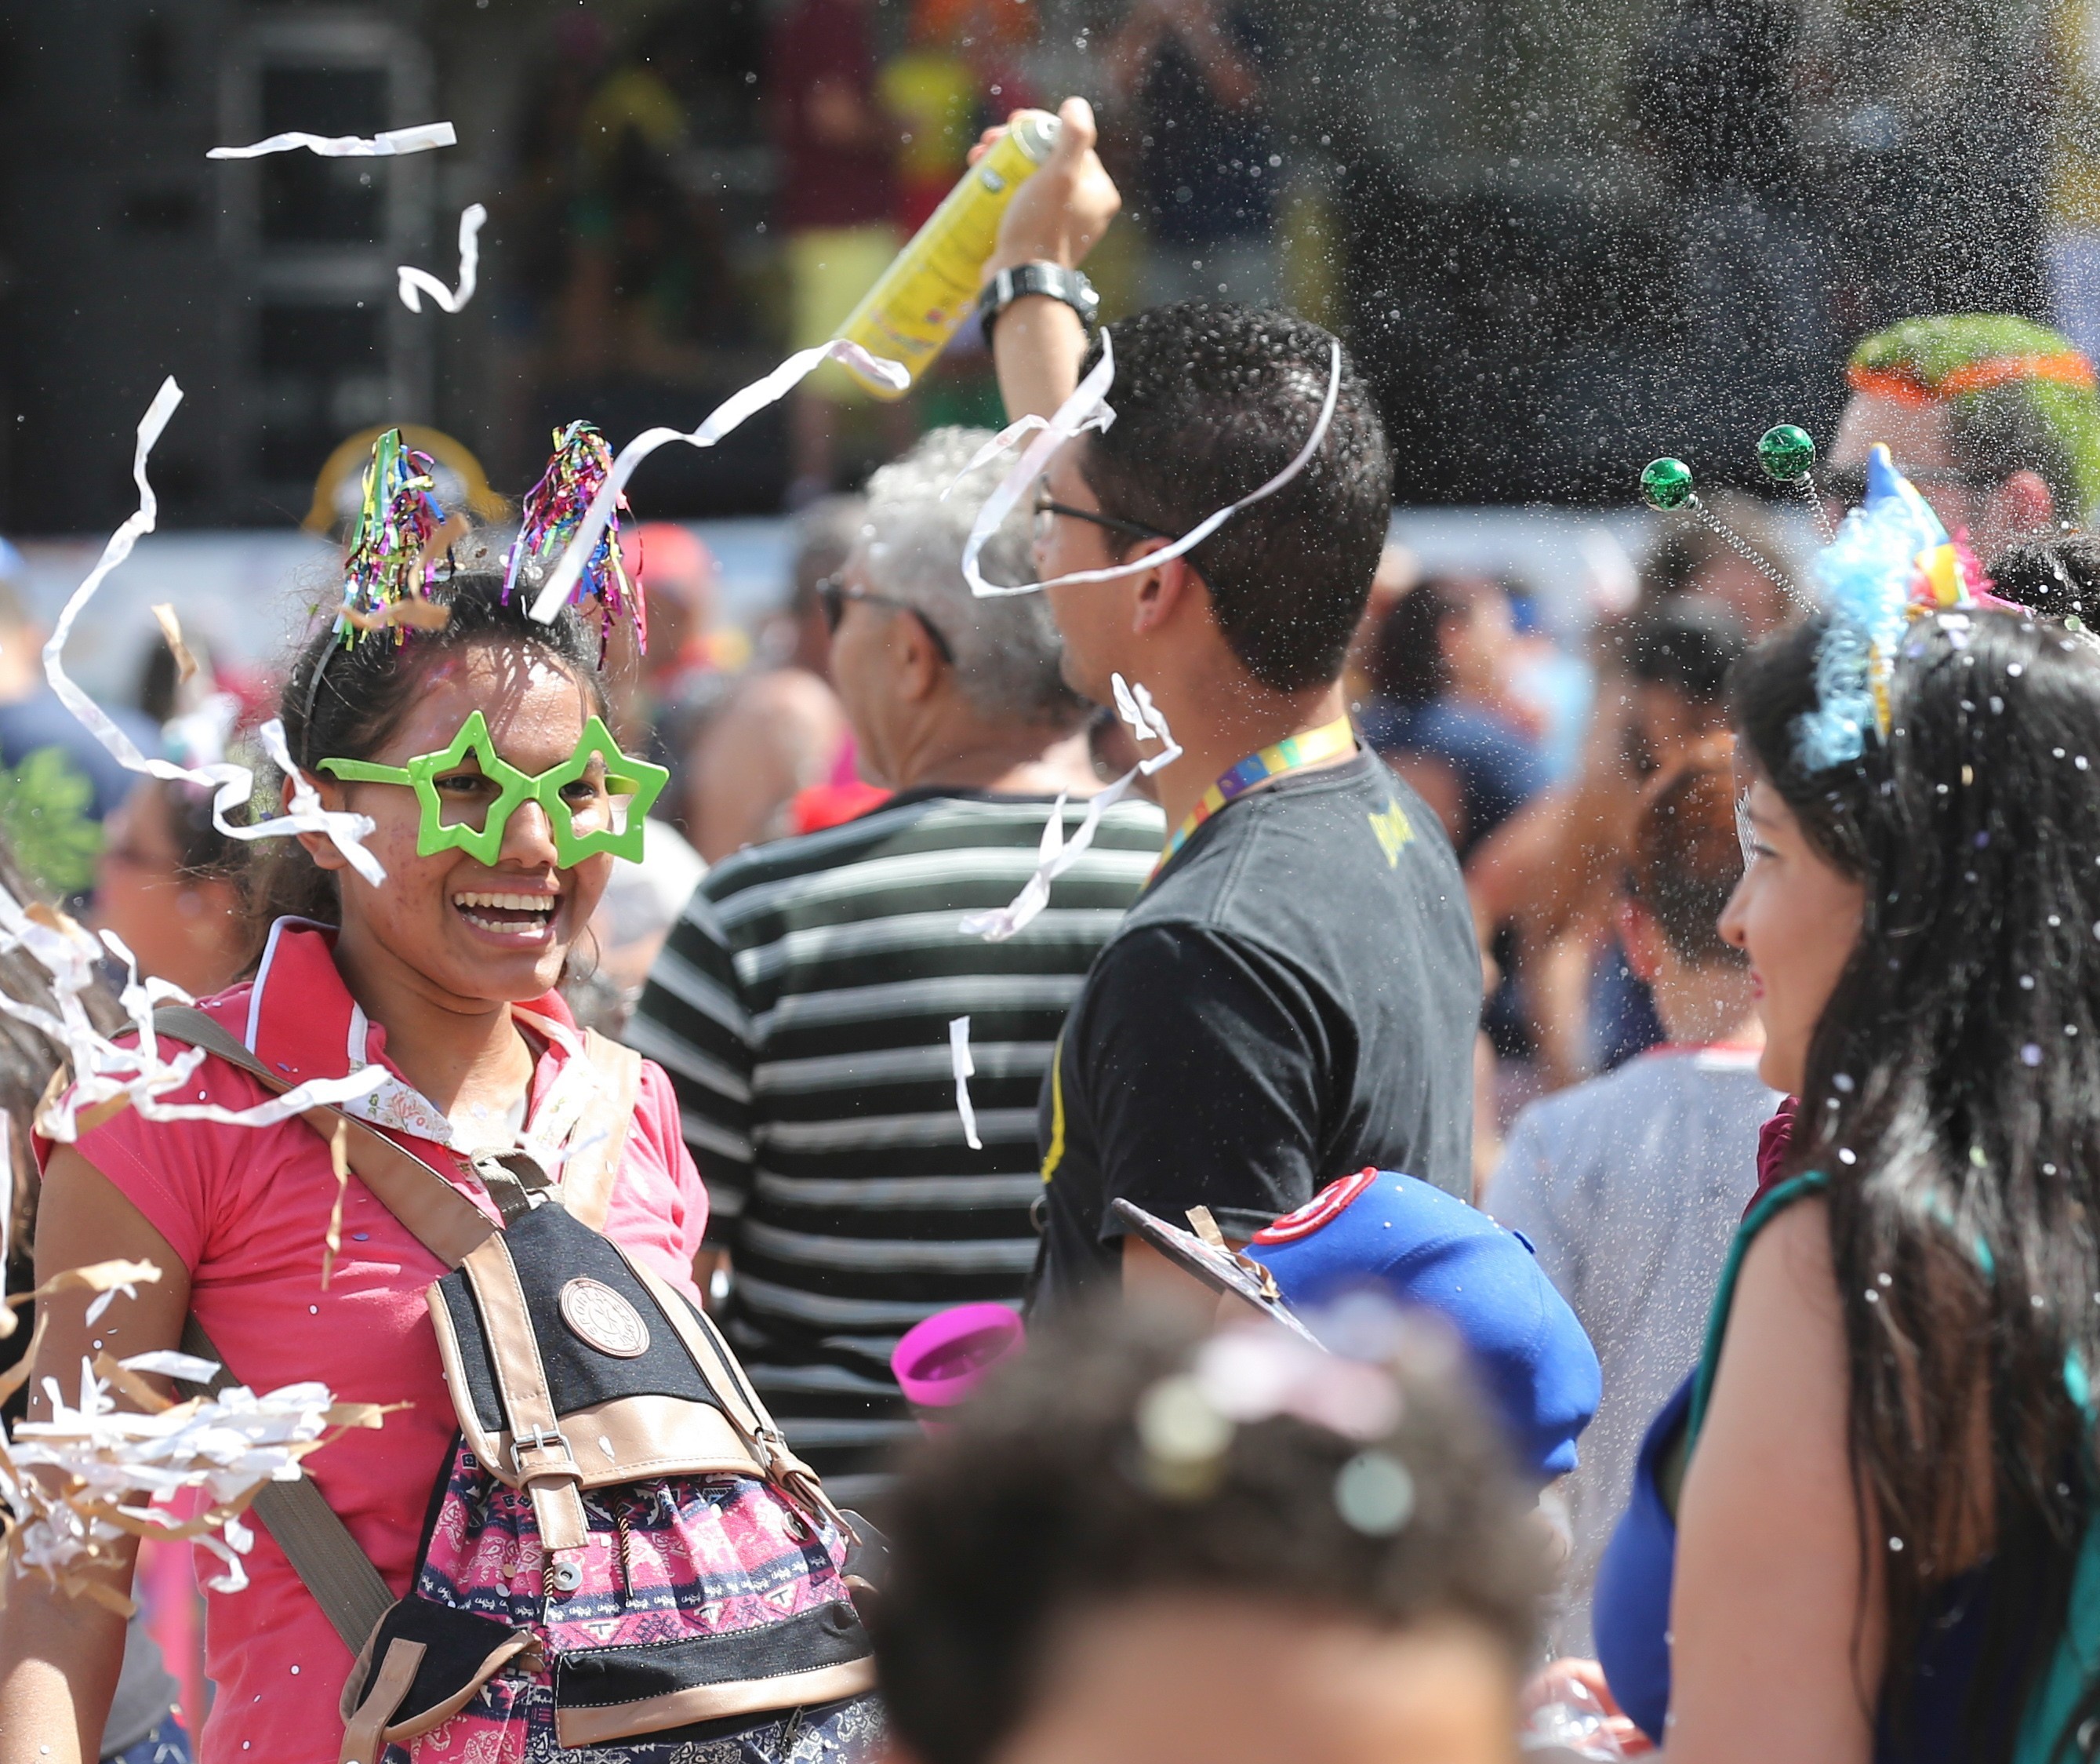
(1211,401)
(1035,1508)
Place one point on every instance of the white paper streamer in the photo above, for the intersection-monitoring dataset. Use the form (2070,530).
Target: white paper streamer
(102,1071)
(170,1365)
(1080,412)
(6,1194)
(386,145)
(724,418)
(1087,408)
(1053,856)
(413,280)
(99,1460)
(959,1053)
(232,786)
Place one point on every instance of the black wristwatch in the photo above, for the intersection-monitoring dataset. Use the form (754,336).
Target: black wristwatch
(1053,280)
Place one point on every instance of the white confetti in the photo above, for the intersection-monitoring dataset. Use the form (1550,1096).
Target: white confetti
(1077,413)
(417,282)
(386,144)
(170,1365)
(724,418)
(74,1486)
(102,1071)
(231,785)
(1053,856)
(958,1054)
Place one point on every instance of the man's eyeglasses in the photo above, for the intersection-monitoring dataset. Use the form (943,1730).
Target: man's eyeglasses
(834,591)
(1046,511)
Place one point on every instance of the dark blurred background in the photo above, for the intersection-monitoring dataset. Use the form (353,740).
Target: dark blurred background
(1561,238)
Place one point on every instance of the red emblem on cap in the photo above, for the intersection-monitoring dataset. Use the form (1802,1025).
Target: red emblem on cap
(1317,1211)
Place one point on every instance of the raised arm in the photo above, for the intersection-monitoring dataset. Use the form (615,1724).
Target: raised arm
(59,1654)
(1055,217)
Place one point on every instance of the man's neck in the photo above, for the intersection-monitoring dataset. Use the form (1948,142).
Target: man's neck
(1217,732)
(1023,760)
(1700,1007)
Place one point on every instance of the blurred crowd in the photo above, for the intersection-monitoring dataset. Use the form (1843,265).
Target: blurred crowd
(725,183)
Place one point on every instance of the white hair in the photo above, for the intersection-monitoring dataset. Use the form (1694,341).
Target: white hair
(1007,650)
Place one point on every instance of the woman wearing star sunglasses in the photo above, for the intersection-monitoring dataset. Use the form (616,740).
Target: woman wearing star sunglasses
(497,801)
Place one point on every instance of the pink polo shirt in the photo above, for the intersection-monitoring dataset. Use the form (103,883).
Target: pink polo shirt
(247,1209)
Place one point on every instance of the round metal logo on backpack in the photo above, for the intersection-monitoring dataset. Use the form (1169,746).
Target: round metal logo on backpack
(603,1319)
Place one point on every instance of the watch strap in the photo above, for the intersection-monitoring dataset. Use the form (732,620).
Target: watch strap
(1053,280)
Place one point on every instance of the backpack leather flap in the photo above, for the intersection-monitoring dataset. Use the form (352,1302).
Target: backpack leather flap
(547,1335)
(459,1651)
(607,1695)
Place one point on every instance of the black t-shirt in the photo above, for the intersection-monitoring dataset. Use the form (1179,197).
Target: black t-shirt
(1293,998)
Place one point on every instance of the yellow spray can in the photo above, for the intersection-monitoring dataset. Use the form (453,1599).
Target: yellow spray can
(923,297)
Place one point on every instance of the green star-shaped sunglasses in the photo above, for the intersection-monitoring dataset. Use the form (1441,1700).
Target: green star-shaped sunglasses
(610,821)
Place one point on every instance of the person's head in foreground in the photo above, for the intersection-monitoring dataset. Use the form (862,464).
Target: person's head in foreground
(493,857)
(1919,912)
(1686,859)
(1141,1543)
(1996,419)
(925,669)
(1211,401)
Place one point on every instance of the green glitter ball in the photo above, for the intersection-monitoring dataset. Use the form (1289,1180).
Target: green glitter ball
(1786,451)
(1665,483)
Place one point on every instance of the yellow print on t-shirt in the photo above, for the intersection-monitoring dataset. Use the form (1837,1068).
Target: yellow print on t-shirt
(1393,832)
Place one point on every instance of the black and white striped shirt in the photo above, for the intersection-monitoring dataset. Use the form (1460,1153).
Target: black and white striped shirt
(801,1007)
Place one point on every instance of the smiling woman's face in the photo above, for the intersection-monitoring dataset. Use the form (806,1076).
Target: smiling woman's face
(477,933)
(1798,916)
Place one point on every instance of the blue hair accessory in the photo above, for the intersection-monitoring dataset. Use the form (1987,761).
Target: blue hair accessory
(1890,562)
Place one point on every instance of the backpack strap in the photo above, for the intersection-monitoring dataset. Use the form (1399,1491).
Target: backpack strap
(441,1218)
(539,1451)
(600,1136)
(350,1592)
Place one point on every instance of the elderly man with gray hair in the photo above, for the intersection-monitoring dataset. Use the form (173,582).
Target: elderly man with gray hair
(802,1004)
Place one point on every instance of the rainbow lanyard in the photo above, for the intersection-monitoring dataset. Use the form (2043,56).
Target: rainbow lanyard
(1292,754)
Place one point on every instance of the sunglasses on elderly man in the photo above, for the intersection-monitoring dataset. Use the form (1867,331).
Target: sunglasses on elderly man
(834,591)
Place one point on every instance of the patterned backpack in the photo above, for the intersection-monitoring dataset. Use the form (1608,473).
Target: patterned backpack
(622,1546)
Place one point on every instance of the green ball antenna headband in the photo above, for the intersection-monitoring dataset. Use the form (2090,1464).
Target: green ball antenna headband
(635,779)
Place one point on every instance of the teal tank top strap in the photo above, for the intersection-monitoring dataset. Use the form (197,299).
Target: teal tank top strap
(1767,1209)
(2046,1735)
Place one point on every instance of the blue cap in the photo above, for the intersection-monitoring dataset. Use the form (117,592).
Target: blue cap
(1394,1234)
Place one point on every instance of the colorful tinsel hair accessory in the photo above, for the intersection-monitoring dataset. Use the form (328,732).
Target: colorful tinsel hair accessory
(1890,562)
(554,516)
(393,550)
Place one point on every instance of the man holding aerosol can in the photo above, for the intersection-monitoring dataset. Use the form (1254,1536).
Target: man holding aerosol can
(1295,995)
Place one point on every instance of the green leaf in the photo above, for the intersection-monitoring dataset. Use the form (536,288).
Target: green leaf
(44,805)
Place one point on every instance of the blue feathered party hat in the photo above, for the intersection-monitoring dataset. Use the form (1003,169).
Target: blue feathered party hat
(1890,561)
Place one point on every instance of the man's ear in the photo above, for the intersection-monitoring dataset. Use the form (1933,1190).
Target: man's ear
(319,846)
(2023,503)
(1641,938)
(1162,591)
(919,663)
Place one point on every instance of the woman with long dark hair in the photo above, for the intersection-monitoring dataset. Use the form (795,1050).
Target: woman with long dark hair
(1877,1485)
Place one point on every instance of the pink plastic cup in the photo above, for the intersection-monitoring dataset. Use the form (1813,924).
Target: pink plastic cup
(942,1361)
